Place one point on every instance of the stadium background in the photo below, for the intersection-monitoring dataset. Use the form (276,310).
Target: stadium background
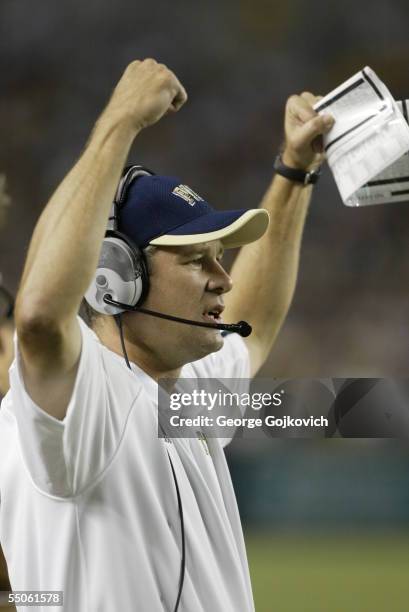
(326,523)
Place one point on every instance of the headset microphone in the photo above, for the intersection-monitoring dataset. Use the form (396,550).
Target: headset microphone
(242,328)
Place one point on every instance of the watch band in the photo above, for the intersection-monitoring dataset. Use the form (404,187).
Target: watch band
(296,174)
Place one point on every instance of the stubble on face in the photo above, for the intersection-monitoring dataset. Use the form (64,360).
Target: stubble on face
(180,287)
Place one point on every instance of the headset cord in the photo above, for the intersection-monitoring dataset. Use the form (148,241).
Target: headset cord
(118,321)
(182,528)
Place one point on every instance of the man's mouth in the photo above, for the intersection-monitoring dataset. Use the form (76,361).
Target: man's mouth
(213,315)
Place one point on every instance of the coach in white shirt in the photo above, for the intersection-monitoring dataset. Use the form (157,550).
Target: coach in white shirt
(89,493)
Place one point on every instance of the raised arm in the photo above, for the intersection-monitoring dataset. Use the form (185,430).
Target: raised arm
(264,273)
(65,246)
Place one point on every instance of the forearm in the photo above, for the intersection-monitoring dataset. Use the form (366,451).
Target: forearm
(265,272)
(64,250)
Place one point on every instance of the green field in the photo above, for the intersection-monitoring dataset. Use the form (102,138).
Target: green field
(321,573)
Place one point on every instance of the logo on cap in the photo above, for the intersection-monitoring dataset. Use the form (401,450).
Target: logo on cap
(187,194)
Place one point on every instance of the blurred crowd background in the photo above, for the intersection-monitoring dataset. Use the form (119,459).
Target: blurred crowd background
(326,522)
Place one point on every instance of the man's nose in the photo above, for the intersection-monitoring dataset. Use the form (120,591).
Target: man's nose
(220,281)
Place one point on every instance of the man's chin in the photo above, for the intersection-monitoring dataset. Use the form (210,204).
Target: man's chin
(205,342)
(213,341)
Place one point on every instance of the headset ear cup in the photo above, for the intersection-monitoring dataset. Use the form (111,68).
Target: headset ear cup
(121,273)
(122,270)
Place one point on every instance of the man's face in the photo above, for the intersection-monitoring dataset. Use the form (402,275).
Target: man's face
(187,282)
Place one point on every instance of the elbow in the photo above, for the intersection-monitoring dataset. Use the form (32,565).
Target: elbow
(33,321)
(39,337)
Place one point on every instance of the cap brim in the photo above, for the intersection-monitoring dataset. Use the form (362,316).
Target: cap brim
(234,228)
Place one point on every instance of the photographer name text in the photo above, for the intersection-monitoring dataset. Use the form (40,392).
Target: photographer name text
(282,422)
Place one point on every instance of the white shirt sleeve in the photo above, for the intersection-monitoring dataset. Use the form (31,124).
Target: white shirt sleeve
(232,364)
(64,457)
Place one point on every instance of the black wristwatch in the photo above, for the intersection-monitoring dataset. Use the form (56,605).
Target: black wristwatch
(295,174)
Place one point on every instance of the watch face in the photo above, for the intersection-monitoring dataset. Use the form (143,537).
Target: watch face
(312,177)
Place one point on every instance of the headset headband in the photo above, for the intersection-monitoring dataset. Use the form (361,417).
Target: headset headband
(129,175)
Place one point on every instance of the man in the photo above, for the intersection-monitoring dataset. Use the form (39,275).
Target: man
(6,357)
(93,503)
(6,337)
(6,304)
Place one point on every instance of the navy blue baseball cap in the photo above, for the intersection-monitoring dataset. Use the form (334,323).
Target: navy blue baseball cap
(163,211)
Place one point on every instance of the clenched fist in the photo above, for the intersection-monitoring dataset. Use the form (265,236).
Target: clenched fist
(303,132)
(146,91)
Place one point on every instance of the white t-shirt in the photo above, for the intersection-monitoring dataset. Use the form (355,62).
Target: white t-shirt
(88,505)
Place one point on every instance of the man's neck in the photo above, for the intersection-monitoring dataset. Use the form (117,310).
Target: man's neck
(140,356)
